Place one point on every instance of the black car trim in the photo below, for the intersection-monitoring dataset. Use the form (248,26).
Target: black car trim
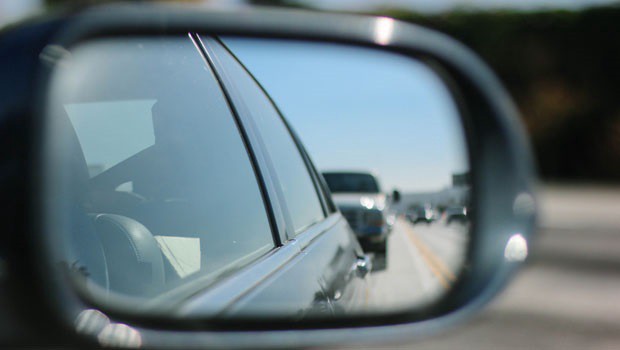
(256,142)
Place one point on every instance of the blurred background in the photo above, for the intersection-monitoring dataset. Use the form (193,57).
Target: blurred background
(560,60)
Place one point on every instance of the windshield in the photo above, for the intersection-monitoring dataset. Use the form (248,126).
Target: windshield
(351,182)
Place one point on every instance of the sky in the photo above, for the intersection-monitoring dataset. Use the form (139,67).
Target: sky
(362,109)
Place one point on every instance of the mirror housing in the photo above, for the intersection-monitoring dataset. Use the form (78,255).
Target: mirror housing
(502,173)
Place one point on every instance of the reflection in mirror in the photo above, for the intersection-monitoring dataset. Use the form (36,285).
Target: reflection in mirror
(387,136)
(174,185)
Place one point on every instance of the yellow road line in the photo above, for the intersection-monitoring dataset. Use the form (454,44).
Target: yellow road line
(435,264)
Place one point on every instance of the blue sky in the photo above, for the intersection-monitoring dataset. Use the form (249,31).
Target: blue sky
(362,109)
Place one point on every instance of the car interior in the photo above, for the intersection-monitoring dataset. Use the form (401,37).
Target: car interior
(115,220)
(153,233)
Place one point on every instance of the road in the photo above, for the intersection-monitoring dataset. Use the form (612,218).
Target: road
(421,263)
(568,295)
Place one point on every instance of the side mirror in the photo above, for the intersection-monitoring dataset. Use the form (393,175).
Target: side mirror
(167,199)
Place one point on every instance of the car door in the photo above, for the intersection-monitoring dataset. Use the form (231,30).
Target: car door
(322,267)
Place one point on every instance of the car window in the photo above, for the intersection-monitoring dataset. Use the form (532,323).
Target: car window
(98,128)
(161,148)
(298,189)
(351,182)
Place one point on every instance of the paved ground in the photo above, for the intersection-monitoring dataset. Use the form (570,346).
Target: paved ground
(421,263)
(568,296)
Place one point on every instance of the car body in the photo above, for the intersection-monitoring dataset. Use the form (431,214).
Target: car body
(456,214)
(421,213)
(360,200)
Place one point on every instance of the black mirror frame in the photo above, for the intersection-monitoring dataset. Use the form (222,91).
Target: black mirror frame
(502,176)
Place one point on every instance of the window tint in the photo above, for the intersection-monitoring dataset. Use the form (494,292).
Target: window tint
(144,133)
(294,179)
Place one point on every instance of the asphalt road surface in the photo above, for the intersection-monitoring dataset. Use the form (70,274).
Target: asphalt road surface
(421,263)
(568,295)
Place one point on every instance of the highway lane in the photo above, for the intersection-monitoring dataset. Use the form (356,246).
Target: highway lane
(568,295)
(420,265)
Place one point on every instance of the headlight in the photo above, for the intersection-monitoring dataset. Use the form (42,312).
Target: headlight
(367,202)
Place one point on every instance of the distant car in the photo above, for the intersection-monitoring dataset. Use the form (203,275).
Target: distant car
(361,202)
(456,214)
(421,213)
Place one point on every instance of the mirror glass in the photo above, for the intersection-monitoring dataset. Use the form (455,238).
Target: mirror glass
(207,176)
